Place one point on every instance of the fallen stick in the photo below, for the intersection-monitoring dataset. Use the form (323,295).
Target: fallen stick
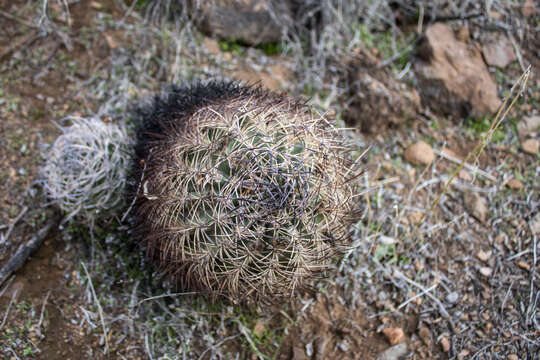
(25,250)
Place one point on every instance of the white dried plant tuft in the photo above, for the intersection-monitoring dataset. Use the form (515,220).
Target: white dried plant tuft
(86,168)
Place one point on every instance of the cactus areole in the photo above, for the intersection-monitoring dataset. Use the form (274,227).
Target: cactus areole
(241,192)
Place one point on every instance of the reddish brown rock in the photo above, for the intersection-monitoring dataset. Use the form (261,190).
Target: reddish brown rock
(394,335)
(531,146)
(514,184)
(376,100)
(498,52)
(419,154)
(528,9)
(453,77)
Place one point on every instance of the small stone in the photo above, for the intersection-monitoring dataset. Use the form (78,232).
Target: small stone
(211,45)
(498,52)
(393,353)
(528,126)
(524,265)
(512,357)
(514,184)
(419,154)
(299,353)
(258,330)
(96,5)
(445,344)
(394,335)
(482,255)
(486,271)
(531,146)
(425,335)
(452,297)
(528,9)
(476,206)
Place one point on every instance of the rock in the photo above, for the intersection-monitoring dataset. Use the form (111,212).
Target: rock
(486,271)
(250,22)
(394,335)
(425,335)
(514,184)
(211,45)
(531,146)
(498,52)
(524,265)
(476,206)
(419,154)
(445,344)
(528,126)
(299,353)
(376,100)
(275,79)
(453,77)
(258,330)
(528,9)
(452,297)
(393,353)
(512,357)
(482,255)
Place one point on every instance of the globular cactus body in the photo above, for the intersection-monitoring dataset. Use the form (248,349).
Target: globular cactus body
(241,193)
(86,167)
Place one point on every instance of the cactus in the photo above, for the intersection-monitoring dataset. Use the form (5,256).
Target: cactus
(86,167)
(241,192)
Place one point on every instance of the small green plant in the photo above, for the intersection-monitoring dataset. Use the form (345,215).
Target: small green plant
(231,45)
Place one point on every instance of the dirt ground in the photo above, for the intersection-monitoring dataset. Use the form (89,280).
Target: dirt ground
(455,284)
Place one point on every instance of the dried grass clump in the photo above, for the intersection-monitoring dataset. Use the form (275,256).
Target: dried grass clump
(243,193)
(85,169)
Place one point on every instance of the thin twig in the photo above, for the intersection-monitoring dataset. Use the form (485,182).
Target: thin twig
(442,309)
(100,310)
(9,307)
(18,260)
(5,237)
(467,166)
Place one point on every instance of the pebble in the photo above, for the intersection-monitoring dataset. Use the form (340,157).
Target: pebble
(524,265)
(528,126)
(394,335)
(259,328)
(425,335)
(482,255)
(528,9)
(531,146)
(514,184)
(512,357)
(476,206)
(453,297)
(419,154)
(394,352)
(486,271)
(445,344)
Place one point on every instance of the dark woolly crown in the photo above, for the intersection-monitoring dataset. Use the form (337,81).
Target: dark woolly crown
(241,192)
